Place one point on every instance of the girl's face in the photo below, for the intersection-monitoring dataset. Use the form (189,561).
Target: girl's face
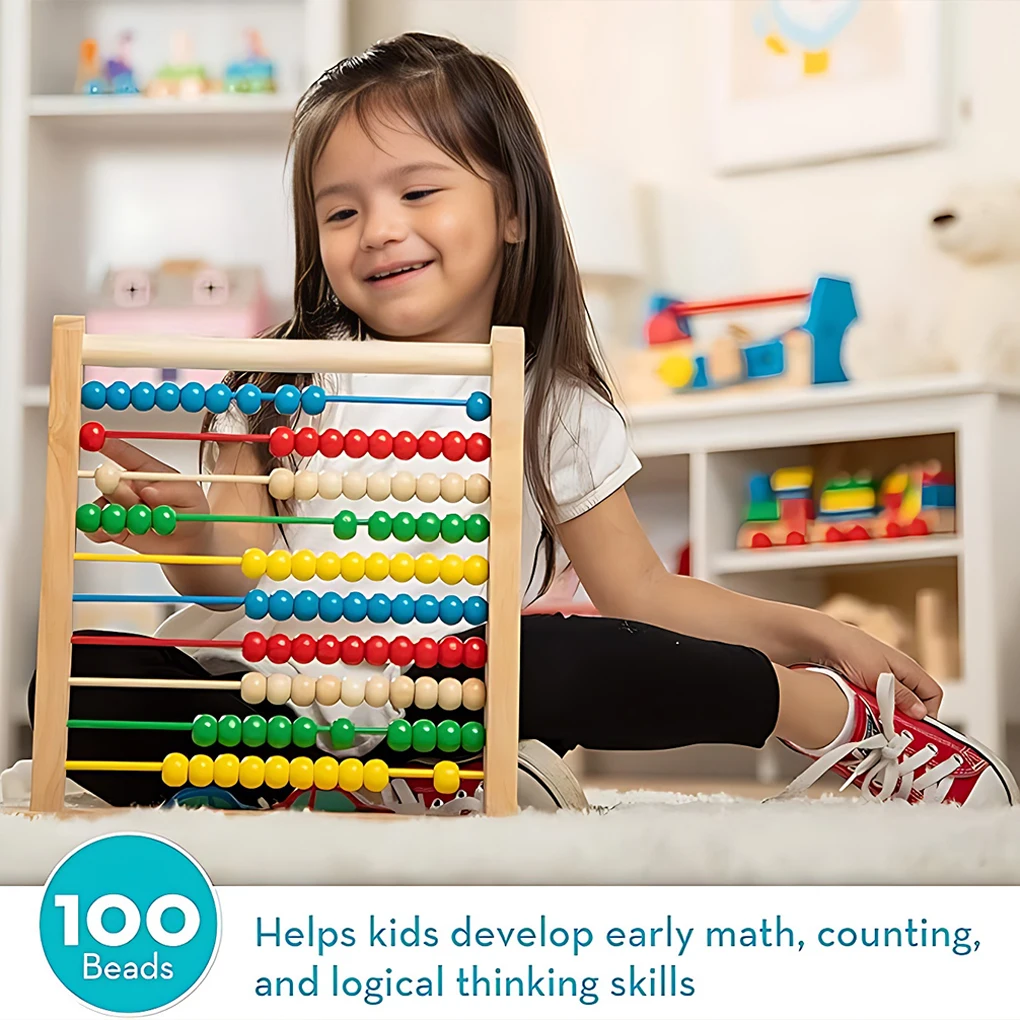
(408,237)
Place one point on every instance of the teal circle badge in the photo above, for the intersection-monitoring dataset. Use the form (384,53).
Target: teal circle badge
(129,923)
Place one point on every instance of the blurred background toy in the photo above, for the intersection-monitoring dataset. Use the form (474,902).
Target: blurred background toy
(780,510)
(119,69)
(847,510)
(182,77)
(255,72)
(89,79)
(886,623)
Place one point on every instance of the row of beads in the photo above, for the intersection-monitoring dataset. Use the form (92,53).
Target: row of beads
(425,692)
(280,731)
(355,607)
(302,773)
(285,484)
(380,444)
(194,397)
(328,566)
(376,651)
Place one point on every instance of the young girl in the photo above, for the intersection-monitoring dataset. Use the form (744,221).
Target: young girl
(425,209)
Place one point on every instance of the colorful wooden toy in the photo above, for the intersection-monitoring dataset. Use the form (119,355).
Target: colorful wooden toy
(780,510)
(90,79)
(182,77)
(847,510)
(255,73)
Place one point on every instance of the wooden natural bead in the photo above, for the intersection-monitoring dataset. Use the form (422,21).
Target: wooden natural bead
(277,688)
(472,693)
(449,694)
(402,692)
(427,488)
(281,484)
(452,487)
(426,692)
(378,486)
(253,688)
(331,484)
(327,689)
(403,486)
(302,691)
(352,691)
(377,691)
(477,488)
(306,485)
(108,478)
(355,485)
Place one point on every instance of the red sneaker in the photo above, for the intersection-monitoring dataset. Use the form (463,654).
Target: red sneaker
(891,755)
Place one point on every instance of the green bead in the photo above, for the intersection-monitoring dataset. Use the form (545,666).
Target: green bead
(229,730)
(278,731)
(139,519)
(477,528)
(453,528)
(341,734)
(345,525)
(164,520)
(253,731)
(398,735)
(88,518)
(448,736)
(423,735)
(472,737)
(304,732)
(404,527)
(113,518)
(379,526)
(428,527)
(203,730)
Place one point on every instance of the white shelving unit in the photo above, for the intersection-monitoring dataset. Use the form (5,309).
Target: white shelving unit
(92,182)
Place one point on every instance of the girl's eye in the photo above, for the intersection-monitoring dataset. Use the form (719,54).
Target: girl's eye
(340,215)
(413,196)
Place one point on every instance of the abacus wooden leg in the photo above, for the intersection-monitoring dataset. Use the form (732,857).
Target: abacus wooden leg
(53,660)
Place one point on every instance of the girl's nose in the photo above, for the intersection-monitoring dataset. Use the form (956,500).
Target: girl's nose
(382,225)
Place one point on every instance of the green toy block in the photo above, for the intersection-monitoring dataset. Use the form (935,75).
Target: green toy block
(762,510)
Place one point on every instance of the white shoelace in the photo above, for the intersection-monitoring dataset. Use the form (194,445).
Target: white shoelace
(881,761)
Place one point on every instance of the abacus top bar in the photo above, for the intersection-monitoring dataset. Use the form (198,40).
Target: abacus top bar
(267,355)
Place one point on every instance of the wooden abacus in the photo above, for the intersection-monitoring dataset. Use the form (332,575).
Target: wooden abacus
(502,359)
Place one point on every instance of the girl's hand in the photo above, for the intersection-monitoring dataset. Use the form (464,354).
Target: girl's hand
(184,497)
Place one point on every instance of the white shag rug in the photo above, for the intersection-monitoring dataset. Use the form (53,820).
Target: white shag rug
(636,838)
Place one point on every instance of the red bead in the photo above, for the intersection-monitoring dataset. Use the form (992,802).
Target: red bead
(253,646)
(92,436)
(281,441)
(405,446)
(454,445)
(380,444)
(430,445)
(278,648)
(377,651)
(303,648)
(451,652)
(328,649)
(474,653)
(306,442)
(426,653)
(331,443)
(356,443)
(352,650)
(478,447)
(401,651)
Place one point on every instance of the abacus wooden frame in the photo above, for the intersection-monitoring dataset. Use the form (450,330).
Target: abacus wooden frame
(502,359)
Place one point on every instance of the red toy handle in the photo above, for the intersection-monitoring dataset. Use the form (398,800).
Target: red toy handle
(685,309)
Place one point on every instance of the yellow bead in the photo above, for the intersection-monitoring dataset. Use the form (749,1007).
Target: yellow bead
(352,566)
(426,569)
(225,770)
(200,770)
(252,773)
(377,775)
(277,771)
(328,566)
(446,777)
(253,564)
(402,567)
(302,773)
(325,772)
(476,570)
(278,565)
(377,567)
(302,565)
(175,769)
(451,570)
(352,774)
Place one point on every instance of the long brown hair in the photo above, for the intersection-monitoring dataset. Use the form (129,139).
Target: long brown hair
(468,105)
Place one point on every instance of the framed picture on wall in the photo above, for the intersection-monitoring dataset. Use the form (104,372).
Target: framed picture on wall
(805,81)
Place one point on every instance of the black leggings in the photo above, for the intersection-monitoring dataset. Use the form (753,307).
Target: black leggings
(585,681)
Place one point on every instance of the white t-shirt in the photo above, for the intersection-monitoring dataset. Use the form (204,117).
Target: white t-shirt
(590,458)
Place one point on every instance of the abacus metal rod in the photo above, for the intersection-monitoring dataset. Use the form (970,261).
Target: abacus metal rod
(172,476)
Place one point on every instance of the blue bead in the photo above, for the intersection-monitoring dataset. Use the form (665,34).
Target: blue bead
(143,396)
(451,609)
(118,396)
(217,398)
(249,399)
(306,605)
(281,605)
(193,397)
(93,395)
(287,400)
(426,609)
(479,406)
(331,607)
(476,610)
(379,608)
(402,609)
(168,396)
(313,400)
(355,607)
(256,604)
